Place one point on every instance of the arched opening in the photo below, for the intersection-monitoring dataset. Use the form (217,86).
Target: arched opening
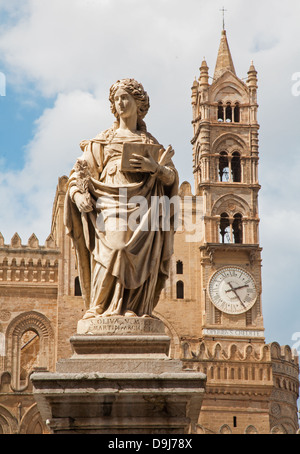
(29,343)
(224,228)
(29,354)
(225,429)
(223,167)
(179,290)
(236,167)
(77,288)
(179,267)
(251,430)
(228,113)
(220,112)
(32,423)
(236,113)
(237,228)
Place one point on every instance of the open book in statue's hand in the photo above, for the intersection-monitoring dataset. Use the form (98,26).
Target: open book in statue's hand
(140,149)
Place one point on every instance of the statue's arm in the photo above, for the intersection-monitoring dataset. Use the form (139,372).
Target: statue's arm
(166,174)
(88,165)
(73,190)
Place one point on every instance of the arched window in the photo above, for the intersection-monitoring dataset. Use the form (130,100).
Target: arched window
(220,112)
(236,167)
(77,288)
(223,167)
(179,290)
(179,267)
(231,230)
(237,228)
(29,354)
(236,113)
(224,228)
(29,343)
(228,113)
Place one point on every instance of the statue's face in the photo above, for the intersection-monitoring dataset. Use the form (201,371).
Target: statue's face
(125,104)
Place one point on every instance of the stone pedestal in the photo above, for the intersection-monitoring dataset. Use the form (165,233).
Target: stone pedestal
(120,380)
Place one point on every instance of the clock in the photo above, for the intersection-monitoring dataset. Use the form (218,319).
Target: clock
(232,290)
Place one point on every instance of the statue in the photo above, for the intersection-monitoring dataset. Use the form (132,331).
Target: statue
(122,270)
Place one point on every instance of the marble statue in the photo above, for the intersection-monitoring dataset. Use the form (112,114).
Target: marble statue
(122,270)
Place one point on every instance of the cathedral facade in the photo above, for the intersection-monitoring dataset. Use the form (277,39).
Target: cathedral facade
(211,304)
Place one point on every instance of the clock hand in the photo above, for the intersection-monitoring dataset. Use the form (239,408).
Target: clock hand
(233,290)
(236,288)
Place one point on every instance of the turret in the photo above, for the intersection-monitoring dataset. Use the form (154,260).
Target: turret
(203,79)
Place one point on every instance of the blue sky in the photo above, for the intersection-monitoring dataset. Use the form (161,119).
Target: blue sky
(17,126)
(61,57)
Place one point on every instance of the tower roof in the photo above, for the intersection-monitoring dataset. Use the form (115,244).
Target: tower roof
(224,59)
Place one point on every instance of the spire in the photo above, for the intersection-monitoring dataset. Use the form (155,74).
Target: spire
(203,79)
(252,76)
(224,60)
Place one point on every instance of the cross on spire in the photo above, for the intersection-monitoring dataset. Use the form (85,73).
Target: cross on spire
(223,11)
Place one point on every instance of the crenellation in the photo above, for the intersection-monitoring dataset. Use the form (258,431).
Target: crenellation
(16,241)
(33,242)
(50,242)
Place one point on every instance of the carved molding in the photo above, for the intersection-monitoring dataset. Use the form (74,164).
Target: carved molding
(31,422)
(199,350)
(8,422)
(37,270)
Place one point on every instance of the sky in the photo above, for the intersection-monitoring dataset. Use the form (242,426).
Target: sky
(59,59)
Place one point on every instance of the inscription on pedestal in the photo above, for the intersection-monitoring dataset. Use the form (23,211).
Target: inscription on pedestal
(120,325)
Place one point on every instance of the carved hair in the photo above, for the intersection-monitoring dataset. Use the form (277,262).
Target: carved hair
(136,90)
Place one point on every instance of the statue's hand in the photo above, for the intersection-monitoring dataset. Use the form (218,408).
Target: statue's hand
(166,156)
(143,163)
(83,204)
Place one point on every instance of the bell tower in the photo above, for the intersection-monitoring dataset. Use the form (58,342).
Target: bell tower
(246,388)
(225,166)
(212,301)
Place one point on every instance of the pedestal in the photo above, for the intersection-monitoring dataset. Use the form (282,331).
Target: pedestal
(120,380)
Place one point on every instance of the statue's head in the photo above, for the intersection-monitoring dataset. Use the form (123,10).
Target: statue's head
(136,90)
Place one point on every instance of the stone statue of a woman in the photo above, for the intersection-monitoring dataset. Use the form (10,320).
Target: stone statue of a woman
(122,270)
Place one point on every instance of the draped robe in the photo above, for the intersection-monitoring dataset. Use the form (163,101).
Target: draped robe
(121,270)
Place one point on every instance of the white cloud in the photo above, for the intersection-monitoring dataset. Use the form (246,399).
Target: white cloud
(27,195)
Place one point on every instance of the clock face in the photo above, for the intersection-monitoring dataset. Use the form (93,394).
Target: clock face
(232,290)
